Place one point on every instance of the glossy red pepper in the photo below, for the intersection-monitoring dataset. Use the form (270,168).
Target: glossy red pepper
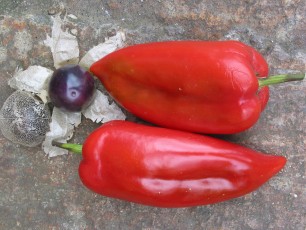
(205,87)
(169,168)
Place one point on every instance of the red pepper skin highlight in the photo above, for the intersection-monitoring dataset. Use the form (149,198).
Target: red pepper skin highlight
(170,168)
(197,86)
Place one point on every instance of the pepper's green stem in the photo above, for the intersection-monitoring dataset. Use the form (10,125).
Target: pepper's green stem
(75,148)
(272,80)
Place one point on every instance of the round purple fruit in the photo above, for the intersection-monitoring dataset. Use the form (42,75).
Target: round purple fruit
(71,88)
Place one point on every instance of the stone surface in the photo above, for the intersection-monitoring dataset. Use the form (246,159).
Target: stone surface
(41,193)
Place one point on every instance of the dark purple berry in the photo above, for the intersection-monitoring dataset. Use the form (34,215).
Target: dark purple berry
(71,88)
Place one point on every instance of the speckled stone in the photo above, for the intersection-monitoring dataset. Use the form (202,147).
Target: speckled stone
(41,193)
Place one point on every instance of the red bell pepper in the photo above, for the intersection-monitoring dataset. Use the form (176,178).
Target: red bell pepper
(205,87)
(169,168)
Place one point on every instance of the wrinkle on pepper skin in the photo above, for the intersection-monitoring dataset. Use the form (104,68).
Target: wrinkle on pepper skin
(259,64)
(263,95)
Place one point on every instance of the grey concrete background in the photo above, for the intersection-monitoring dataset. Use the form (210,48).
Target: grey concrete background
(41,193)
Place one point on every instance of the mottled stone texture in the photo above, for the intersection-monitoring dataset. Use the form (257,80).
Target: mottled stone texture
(41,193)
